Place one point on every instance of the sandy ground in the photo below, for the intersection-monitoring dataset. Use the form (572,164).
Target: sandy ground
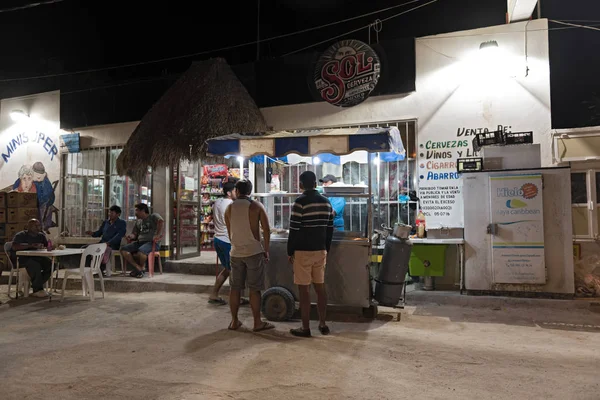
(175,346)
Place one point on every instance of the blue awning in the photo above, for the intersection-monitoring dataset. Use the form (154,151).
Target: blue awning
(309,143)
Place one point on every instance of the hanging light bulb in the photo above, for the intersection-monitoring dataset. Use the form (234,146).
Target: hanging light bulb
(316,161)
(240,159)
(376,160)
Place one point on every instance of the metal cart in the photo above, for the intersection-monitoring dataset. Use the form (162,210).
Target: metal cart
(347,273)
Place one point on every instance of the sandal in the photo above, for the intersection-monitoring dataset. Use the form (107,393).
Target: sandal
(138,274)
(235,328)
(300,332)
(217,302)
(324,330)
(264,327)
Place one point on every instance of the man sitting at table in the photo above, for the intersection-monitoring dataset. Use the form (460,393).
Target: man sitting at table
(148,228)
(111,232)
(38,268)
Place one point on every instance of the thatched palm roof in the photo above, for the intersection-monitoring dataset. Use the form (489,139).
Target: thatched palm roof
(207,101)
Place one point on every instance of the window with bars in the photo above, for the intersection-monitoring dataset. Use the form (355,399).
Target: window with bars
(390,181)
(91,186)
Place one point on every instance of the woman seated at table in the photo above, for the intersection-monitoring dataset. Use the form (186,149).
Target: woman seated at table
(111,232)
(38,268)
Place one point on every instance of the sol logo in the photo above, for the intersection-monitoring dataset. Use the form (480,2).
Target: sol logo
(529,191)
(347,73)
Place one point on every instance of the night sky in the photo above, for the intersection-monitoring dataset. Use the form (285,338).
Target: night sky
(75,35)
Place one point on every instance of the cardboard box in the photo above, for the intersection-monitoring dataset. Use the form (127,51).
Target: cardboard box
(3,216)
(3,199)
(19,199)
(25,214)
(13,229)
(12,215)
(21,215)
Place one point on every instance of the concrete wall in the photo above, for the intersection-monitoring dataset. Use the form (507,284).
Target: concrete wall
(459,91)
(113,135)
(106,135)
(557,235)
(452,92)
(31,140)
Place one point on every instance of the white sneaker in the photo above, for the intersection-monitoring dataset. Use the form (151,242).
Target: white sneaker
(40,293)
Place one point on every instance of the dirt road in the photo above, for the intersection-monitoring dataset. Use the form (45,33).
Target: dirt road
(175,346)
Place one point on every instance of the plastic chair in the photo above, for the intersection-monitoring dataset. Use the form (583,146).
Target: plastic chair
(96,251)
(23,281)
(151,256)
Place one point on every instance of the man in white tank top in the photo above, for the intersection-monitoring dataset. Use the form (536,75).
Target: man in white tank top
(248,257)
(221,240)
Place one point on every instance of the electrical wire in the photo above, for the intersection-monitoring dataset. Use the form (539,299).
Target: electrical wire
(417,39)
(30,5)
(235,46)
(361,28)
(160,78)
(450,36)
(594,28)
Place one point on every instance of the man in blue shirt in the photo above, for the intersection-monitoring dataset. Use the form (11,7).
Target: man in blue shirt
(338,203)
(111,232)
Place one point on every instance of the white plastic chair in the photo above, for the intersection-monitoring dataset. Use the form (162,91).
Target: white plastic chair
(23,281)
(96,251)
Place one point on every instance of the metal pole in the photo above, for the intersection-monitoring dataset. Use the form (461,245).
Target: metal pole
(369,201)
(539,9)
(258,30)
(378,190)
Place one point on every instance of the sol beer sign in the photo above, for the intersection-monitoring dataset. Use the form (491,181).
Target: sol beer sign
(347,73)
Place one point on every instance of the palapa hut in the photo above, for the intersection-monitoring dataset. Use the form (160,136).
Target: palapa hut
(207,101)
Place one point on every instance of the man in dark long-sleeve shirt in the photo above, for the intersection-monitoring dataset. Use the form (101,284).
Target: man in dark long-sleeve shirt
(311,232)
(111,232)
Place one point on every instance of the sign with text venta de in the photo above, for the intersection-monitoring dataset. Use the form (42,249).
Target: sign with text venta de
(518,244)
(346,73)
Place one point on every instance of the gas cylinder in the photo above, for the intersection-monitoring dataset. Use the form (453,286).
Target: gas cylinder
(392,272)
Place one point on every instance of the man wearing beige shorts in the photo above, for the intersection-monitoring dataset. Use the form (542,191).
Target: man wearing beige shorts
(243,218)
(311,232)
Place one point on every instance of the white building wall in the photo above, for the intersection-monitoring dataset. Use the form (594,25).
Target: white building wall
(112,135)
(456,88)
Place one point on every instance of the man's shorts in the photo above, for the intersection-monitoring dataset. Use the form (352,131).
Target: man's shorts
(145,247)
(248,271)
(223,249)
(309,267)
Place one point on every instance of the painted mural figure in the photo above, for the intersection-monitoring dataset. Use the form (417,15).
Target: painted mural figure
(42,186)
(25,181)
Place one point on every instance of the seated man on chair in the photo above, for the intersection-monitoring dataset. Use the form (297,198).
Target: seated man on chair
(38,268)
(148,228)
(111,232)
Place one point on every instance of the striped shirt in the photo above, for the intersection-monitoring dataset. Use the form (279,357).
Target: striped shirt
(311,223)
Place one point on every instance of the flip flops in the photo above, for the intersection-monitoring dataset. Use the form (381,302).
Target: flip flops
(264,327)
(217,302)
(236,327)
(300,332)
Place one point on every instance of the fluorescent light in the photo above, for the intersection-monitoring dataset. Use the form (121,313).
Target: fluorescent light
(18,115)
(489,45)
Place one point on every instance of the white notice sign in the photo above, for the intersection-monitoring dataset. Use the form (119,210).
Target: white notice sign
(518,245)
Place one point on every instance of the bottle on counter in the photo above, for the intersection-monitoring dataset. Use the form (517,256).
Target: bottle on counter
(420,224)
(49,248)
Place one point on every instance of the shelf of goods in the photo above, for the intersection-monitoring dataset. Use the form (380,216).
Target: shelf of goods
(211,190)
